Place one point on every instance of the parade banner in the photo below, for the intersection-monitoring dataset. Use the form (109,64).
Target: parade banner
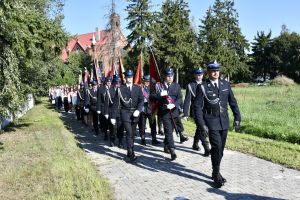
(139,73)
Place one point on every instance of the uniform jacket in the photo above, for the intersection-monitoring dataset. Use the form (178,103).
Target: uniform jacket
(211,111)
(189,99)
(174,92)
(108,100)
(128,101)
(101,98)
(81,97)
(92,99)
(147,105)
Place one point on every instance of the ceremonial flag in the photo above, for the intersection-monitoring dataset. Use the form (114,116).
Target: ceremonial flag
(121,70)
(154,83)
(138,74)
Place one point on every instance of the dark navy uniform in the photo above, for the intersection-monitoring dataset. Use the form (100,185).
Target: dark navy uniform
(108,97)
(189,108)
(101,100)
(174,97)
(211,111)
(147,113)
(79,110)
(92,101)
(129,101)
(118,127)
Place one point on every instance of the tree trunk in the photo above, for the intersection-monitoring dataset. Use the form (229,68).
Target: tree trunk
(177,76)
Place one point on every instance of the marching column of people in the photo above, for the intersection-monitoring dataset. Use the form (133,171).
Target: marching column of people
(117,108)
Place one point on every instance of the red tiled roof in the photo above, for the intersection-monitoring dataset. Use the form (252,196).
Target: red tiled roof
(84,41)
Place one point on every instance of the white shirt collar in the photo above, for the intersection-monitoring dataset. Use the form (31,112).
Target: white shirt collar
(215,81)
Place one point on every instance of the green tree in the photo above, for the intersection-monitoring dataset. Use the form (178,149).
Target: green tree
(29,39)
(262,58)
(287,48)
(220,39)
(174,40)
(140,20)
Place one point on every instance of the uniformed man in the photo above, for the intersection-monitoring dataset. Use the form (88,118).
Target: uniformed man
(118,128)
(92,98)
(129,99)
(189,107)
(169,96)
(146,113)
(80,103)
(101,96)
(108,97)
(212,97)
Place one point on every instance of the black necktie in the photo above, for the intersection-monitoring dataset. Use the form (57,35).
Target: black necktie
(215,84)
(129,88)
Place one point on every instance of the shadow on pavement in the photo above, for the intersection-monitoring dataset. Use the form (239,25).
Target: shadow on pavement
(233,196)
(150,160)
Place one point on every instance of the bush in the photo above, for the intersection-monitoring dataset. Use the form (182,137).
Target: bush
(282,80)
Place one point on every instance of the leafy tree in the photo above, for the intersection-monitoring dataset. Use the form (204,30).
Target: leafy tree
(264,60)
(175,41)
(140,23)
(220,39)
(29,39)
(287,48)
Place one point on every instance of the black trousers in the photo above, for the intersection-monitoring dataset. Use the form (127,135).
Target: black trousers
(159,123)
(95,120)
(179,125)
(130,128)
(79,112)
(108,126)
(217,140)
(142,124)
(103,123)
(119,128)
(168,130)
(66,104)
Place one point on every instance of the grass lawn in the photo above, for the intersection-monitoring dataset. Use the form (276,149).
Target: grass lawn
(40,159)
(267,112)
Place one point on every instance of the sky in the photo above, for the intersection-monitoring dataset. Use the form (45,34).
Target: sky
(83,16)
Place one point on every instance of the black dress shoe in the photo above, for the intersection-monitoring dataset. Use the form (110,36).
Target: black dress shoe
(143,142)
(155,142)
(166,150)
(120,145)
(132,158)
(206,153)
(111,144)
(196,147)
(183,138)
(173,154)
(223,179)
(218,182)
(160,132)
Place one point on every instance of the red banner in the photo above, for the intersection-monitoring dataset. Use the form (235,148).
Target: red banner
(138,74)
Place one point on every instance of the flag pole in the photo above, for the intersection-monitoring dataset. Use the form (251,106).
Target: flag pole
(170,112)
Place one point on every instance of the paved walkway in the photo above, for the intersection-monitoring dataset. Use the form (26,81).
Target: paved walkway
(154,176)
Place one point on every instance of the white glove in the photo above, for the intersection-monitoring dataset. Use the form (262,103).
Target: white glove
(86,110)
(136,113)
(98,112)
(113,121)
(106,116)
(185,118)
(163,93)
(170,106)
